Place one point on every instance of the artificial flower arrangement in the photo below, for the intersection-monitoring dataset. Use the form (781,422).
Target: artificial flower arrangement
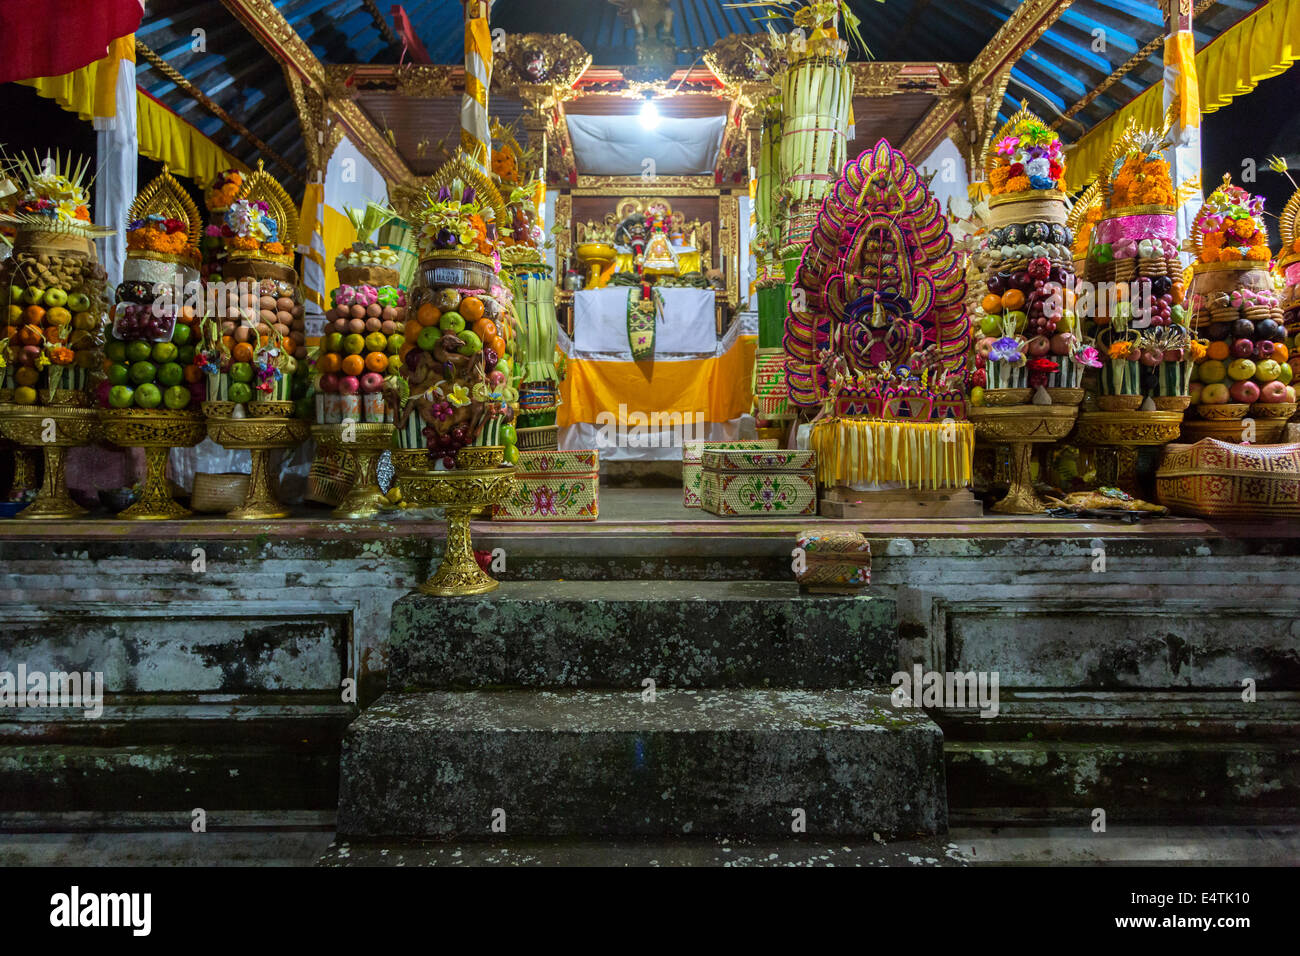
(1028,156)
(1231,227)
(1142,179)
(249,227)
(224,189)
(454,221)
(54,192)
(156,233)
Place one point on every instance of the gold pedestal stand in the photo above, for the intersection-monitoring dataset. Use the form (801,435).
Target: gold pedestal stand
(53,429)
(364,442)
(1022,427)
(157,431)
(261,437)
(1121,434)
(460,493)
(25,470)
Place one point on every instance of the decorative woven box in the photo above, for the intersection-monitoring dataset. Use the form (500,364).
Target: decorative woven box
(740,483)
(553,486)
(1214,479)
(835,562)
(693,465)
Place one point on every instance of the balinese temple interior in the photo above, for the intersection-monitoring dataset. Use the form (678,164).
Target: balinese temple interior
(650,432)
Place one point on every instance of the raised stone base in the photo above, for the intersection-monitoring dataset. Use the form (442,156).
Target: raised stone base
(447,764)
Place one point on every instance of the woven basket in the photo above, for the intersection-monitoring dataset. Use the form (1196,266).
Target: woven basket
(545,438)
(218,493)
(369,275)
(1046,205)
(330,478)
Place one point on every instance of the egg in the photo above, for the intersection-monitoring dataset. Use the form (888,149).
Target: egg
(283,317)
(242,333)
(284,304)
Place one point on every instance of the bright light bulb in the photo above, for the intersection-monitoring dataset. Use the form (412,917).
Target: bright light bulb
(649,114)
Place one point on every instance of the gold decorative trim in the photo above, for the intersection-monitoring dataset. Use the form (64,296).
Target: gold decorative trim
(263,187)
(166,197)
(658,185)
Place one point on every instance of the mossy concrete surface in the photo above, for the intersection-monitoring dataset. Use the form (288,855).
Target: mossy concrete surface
(457,764)
(618,634)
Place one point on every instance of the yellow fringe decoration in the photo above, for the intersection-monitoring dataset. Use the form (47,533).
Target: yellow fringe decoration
(874,451)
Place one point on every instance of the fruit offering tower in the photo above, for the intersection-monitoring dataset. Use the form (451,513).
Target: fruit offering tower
(53,288)
(1288,267)
(1028,329)
(881,344)
(151,346)
(1135,292)
(357,363)
(257,341)
(1237,312)
(457,372)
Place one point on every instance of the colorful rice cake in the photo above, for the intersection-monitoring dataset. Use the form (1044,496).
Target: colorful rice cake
(693,469)
(553,486)
(740,483)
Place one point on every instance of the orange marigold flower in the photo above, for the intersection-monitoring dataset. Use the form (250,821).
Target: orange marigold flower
(1118,351)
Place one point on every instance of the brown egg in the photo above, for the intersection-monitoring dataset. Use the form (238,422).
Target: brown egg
(300,352)
(267,315)
(388,328)
(227,326)
(242,333)
(399,314)
(298,324)
(268,302)
(283,316)
(282,329)
(357,325)
(298,312)
(263,332)
(343,311)
(284,304)
(374,310)
(358,312)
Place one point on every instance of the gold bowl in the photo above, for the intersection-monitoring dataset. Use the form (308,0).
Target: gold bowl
(157,431)
(1273,409)
(270,409)
(1226,412)
(1001,397)
(479,457)
(53,429)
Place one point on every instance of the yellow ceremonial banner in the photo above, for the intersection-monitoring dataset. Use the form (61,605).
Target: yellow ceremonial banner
(717,387)
(1260,46)
(166,137)
(1180,55)
(90,92)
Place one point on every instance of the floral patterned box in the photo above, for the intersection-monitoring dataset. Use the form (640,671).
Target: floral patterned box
(742,483)
(1215,479)
(553,486)
(693,466)
(833,562)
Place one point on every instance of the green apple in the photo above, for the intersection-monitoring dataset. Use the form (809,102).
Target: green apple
(395,343)
(240,392)
(118,374)
(181,334)
(164,352)
(138,351)
(33,295)
(451,322)
(176,397)
(1284,373)
(171,374)
(1268,370)
(334,342)
(142,372)
(1018,319)
(148,395)
(991,325)
(428,337)
(54,298)
(473,344)
(241,372)
(115,350)
(78,302)
(120,396)
(508,434)
(185,354)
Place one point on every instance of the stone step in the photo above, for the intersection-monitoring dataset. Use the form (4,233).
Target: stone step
(679,851)
(616,634)
(443,765)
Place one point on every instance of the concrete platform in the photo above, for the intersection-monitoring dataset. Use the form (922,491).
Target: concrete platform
(450,765)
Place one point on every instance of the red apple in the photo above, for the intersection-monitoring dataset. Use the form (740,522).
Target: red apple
(1246,392)
(371,382)
(1273,392)
(348,385)
(329,383)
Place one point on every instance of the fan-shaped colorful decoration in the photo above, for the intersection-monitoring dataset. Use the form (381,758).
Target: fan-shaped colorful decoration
(880,281)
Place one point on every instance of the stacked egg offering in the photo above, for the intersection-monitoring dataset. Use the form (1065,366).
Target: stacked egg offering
(1244,369)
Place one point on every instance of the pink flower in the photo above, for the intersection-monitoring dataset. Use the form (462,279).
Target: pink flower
(544,502)
(1088,356)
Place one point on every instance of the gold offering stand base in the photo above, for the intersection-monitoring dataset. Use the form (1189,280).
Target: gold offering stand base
(157,431)
(53,429)
(1120,435)
(1021,427)
(363,442)
(479,483)
(261,437)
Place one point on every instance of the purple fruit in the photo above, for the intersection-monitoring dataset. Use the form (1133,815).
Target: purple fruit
(1265,329)
(1243,329)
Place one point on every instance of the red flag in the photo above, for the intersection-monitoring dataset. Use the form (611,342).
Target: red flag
(52,37)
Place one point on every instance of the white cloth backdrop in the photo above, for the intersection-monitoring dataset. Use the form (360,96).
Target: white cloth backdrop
(118,147)
(621,145)
(685,329)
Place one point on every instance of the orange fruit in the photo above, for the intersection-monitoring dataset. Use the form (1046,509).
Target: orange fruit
(1217,350)
(228,341)
(428,314)
(376,362)
(329,362)
(497,344)
(33,314)
(485,329)
(1013,299)
(411,329)
(991,304)
(354,365)
(26,376)
(193,373)
(1280,352)
(471,307)
(242,352)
